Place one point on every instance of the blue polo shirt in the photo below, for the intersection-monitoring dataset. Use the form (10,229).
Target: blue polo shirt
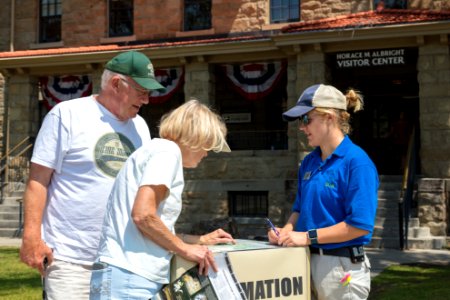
(344,187)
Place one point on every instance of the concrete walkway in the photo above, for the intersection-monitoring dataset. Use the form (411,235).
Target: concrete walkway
(382,258)
(379,258)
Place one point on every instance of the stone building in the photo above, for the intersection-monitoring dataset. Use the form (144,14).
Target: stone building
(250,60)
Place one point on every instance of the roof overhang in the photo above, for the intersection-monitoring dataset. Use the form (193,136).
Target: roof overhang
(245,48)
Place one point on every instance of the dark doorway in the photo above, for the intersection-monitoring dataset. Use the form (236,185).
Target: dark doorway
(387,79)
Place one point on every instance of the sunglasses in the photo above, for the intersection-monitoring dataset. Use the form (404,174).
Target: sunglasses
(304,120)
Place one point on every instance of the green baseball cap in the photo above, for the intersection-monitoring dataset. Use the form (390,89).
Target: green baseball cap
(137,66)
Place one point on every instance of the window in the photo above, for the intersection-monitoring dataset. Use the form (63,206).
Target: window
(402,4)
(197,15)
(248,203)
(282,11)
(120,18)
(254,120)
(49,21)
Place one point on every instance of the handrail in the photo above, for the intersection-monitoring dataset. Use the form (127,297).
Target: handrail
(14,148)
(407,190)
(18,150)
(18,154)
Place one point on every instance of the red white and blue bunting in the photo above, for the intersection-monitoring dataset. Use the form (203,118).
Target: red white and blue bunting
(61,88)
(172,79)
(255,80)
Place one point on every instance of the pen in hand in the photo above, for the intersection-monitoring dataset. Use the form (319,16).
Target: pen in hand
(272,227)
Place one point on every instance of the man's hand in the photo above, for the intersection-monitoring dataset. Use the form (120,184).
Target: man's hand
(34,253)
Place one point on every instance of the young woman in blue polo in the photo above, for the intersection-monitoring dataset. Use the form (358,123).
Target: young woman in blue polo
(335,207)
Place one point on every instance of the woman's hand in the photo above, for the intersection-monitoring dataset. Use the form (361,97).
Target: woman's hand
(218,236)
(273,237)
(293,239)
(201,255)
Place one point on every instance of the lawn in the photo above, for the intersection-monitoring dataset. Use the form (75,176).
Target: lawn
(17,281)
(403,282)
(413,281)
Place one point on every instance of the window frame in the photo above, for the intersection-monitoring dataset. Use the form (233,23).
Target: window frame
(197,15)
(259,208)
(116,19)
(50,21)
(282,8)
(392,4)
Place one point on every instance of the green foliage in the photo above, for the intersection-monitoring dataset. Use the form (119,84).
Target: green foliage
(415,281)
(17,281)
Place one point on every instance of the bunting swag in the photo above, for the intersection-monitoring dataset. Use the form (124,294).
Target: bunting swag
(61,88)
(172,79)
(256,80)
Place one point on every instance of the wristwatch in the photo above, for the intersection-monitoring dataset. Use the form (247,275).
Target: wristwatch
(312,236)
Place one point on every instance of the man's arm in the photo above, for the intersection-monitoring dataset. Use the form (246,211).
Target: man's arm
(33,249)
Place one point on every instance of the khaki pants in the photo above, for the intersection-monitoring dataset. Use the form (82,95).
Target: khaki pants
(327,272)
(66,281)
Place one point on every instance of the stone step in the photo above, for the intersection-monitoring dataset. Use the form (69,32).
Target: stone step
(385,242)
(419,232)
(9,223)
(387,194)
(9,215)
(389,222)
(388,203)
(390,186)
(391,178)
(12,200)
(391,213)
(435,242)
(8,208)
(380,231)
(9,232)
(13,189)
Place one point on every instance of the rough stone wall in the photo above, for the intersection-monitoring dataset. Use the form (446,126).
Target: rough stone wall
(434,81)
(319,9)
(83,22)
(198,82)
(5,25)
(310,70)
(432,205)
(22,114)
(429,4)
(26,24)
(239,15)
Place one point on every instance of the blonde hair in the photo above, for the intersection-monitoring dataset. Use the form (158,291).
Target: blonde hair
(196,126)
(355,103)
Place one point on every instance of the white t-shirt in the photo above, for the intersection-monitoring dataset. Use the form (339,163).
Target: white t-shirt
(86,145)
(122,244)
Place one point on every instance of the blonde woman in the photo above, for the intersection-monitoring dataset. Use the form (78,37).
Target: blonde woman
(334,211)
(138,237)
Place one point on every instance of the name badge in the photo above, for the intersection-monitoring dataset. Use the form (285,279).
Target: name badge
(307,175)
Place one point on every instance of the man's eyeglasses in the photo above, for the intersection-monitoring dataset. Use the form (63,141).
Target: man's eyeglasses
(304,120)
(141,91)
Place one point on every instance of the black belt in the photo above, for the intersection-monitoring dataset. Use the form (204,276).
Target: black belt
(344,251)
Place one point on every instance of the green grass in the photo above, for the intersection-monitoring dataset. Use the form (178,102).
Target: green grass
(415,281)
(17,281)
